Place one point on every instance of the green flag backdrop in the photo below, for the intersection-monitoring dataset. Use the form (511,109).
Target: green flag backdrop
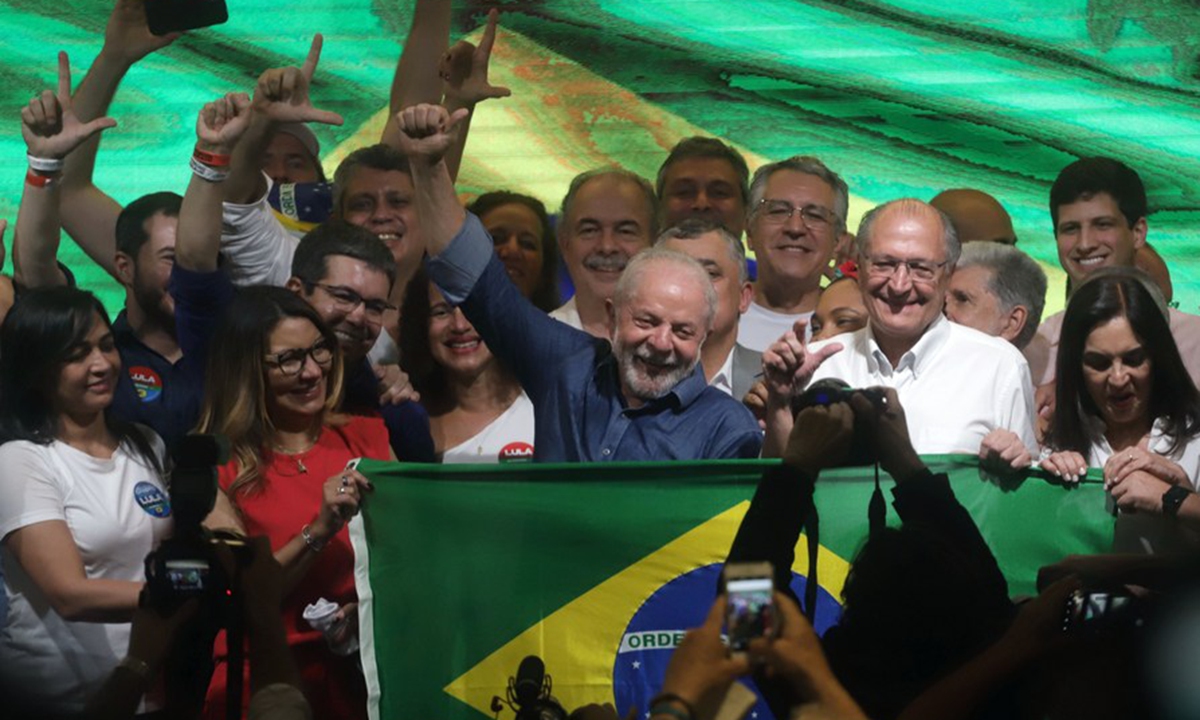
(599,569)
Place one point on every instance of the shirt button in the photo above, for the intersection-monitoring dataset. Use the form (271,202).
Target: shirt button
(606,451)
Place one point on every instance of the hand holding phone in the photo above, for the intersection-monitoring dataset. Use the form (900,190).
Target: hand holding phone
(750,604)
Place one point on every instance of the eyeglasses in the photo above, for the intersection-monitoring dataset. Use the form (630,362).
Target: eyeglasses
(291,362)
(918,270)
(348,301)
(814,217)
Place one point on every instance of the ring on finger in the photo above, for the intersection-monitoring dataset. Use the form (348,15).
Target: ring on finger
(341,491)
(345,481)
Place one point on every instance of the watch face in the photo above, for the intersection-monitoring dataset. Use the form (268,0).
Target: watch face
(1173,498)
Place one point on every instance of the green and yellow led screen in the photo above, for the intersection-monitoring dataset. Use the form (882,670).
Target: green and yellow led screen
(903,98)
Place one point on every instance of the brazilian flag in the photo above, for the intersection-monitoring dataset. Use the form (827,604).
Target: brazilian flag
(599,569)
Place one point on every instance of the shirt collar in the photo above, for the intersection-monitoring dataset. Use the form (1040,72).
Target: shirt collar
(683,394)
(919,357)
(723,380)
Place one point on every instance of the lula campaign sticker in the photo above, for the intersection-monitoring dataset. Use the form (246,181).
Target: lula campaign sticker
(516,452)
(146,382)
(151,499)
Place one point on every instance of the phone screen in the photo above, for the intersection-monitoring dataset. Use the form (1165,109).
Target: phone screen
(749,610)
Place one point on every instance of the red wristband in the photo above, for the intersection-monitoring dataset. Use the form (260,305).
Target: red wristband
(37,180)
(211,159)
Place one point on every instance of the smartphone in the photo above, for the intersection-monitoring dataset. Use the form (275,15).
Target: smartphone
(750,603)
(168,16)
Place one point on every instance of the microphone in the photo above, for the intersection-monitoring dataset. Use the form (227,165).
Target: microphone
(531,676)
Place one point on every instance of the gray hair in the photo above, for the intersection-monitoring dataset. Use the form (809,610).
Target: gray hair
(949,237)
(1015,279)
(582,179)
(376,157)
(632,278)
(692,228)
(808,165)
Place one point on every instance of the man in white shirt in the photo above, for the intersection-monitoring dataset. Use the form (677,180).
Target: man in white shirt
(956,383)
(728,366)
(796,219)
(607,217)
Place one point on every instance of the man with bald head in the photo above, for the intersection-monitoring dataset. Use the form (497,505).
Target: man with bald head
(608,216)
(638,394)
(956,383)
(976,216)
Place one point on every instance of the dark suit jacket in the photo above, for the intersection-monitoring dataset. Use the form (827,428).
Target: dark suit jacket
(747,366)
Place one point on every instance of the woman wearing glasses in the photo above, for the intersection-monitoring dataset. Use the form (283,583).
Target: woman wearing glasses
(272,390)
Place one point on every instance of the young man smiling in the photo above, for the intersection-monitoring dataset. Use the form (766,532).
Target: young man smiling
(1099,209)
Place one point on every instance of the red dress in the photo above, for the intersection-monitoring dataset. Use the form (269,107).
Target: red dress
(289,499)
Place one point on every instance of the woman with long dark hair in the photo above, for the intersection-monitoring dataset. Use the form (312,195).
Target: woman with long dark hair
(273,389)
(82,502)
(1125,403)
(478,412)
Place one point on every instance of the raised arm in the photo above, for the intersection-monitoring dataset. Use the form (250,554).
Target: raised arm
(281,96)
(51,130)
(219,126)
(89,215)
(417,80)
(426,133)
(465,71)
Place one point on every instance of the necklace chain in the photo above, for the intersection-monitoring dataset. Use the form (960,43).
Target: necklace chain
(312,441)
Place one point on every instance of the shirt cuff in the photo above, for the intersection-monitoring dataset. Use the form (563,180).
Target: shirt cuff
(456,269)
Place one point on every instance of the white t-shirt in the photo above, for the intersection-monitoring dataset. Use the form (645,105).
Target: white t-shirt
(956,384)
(569,314)
(759,327)
(508,437)
(257,248)
(117,511)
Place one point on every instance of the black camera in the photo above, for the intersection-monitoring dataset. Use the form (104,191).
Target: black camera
(1096,612)
(831,390)
(185,565)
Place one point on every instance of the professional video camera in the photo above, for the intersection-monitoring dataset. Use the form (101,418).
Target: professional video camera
(186,566)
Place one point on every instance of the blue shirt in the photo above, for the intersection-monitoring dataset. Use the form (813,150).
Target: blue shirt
(572,377)
(152,390)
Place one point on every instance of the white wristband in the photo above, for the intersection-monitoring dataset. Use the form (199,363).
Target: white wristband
(45,165)
(208,173)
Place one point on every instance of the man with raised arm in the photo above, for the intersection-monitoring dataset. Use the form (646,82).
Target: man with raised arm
(640,397)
